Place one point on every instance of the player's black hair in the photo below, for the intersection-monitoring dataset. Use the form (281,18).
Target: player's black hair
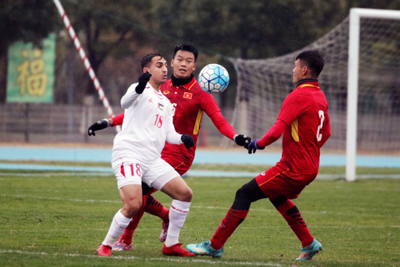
(314,60)
(186,47)
(144,62)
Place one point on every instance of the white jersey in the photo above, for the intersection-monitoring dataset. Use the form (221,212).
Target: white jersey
(147,125)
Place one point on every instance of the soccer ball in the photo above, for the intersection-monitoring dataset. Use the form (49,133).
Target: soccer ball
(214,78)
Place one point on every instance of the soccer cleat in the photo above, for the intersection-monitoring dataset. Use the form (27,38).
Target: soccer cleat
(120,245)
(177,250)
(205,249)
(164,231)
(104,251)
(308,252)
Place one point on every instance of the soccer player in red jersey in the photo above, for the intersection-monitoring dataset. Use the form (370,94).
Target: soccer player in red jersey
(190,103)
(304,122)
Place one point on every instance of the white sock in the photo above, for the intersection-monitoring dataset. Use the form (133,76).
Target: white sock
(117,227)
(177,216)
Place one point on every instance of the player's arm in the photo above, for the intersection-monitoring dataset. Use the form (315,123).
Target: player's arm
(222,125)
(175,138)
(117,120)
(134,91)
(291,109)
(212,110)
(273,134)
(104,123)
(126,101)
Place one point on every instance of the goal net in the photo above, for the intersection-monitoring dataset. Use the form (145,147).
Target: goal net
(263,85)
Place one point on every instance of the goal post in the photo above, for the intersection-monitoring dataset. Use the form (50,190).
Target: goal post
(361,81)
(353,75)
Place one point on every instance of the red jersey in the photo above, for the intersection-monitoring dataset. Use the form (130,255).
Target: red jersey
(305,114)
(190,102)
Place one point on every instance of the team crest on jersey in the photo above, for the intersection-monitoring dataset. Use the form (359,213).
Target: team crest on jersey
(161,106)
(166,92)
(187,95)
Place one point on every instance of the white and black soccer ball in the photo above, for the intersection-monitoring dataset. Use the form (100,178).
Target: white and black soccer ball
(214,78)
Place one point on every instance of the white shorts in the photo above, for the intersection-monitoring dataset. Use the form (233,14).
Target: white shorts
(130,171)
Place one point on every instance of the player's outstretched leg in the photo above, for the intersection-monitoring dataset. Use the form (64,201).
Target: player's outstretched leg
(177,216)
(122,245)
(308,252)
(181,196)
(177,250)
(205,249)
(215,247)
(125,240)
(104,250)
(232,220)
(154,207)
(118,224)
(151,206)
(292,215)
(164,231)
(247,194)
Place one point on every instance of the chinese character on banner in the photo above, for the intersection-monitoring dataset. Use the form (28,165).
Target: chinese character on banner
(32,79)
(31,72)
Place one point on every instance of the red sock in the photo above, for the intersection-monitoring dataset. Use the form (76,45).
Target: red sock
(157,209)
(293,217)
(130,229)
(228,225)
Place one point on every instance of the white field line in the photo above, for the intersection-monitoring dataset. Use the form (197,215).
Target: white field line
(165,259)
(152,229)
(269,210)
(63,199)
(201,174)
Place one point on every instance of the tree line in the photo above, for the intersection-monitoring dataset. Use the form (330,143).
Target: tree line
(115,34)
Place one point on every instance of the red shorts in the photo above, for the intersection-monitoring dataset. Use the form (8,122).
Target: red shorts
(280,180)
(180,165)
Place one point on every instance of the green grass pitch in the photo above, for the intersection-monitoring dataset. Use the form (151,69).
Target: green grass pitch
(59,219)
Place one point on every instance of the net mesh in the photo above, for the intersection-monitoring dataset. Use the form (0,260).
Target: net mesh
(263,85)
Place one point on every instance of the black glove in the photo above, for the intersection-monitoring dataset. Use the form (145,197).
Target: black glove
(187,140)
(242,140)
(143,79)
(98,125)
(252,147)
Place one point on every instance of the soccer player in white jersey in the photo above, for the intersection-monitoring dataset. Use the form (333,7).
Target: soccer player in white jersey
(136,156)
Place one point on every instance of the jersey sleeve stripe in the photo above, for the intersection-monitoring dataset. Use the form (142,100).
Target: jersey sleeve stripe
(295,130)
(196,128)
